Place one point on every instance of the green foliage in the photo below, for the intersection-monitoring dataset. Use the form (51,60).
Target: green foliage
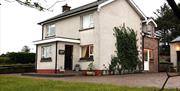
(4,60)
(20,57)
(9,83)
(168,27)
(113,65)
(126,49)
(16,68)
(91,66)
(25,49)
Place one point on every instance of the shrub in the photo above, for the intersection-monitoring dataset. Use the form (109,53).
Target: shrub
(165,66)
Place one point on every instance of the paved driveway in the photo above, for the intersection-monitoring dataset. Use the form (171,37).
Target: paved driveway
(138,80)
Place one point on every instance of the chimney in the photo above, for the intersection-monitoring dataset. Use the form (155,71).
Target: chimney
(66,8)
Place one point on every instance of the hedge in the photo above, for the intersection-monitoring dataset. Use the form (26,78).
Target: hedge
(20,57)
(17,68)
(165,66)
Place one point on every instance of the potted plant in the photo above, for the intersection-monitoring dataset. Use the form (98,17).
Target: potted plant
(90,70)
(77,67)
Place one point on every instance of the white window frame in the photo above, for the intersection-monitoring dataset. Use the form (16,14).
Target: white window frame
(89,21)
(51,32)
(89,47)
(150,29)
(46,51)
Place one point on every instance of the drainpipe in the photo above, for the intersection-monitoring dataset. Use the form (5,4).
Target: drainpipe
(36,58)
(56,58)
(158,55)
(143,35)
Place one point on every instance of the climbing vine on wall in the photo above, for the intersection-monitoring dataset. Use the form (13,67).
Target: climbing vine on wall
(126,49)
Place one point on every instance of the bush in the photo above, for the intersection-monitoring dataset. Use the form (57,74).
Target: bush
(165,66)
(20,57)
(4,60)
(16,68)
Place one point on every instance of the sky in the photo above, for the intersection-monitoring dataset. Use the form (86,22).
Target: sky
(18,24)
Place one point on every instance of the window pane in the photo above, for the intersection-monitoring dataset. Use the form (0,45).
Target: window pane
(91,49)
(87,21)
(145,55)
(46,52)
(150,54)
(83,51)
(51,30)
(87,51)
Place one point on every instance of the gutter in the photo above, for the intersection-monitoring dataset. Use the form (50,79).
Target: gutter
(67,16)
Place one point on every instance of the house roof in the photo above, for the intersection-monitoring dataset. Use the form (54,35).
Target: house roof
(176,40)
(89,7)
(85,8)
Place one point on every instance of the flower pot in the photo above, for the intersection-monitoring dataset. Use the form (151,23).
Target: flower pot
(90,73)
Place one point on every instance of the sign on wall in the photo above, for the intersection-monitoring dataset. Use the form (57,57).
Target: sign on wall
(61,52)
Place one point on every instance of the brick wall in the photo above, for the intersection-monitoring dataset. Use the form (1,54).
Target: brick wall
(152,44)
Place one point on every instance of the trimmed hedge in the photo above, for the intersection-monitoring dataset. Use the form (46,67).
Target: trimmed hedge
(20,57)
(17,68)
(165,66)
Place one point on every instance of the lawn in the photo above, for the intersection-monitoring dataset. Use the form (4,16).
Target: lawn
(10,83)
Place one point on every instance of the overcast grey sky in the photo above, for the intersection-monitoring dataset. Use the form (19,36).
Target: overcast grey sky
(18,24)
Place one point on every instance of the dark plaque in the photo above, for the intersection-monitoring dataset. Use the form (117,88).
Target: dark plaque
(61,52)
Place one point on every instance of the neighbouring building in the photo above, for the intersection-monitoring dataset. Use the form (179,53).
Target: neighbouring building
(85,34)
(175,51)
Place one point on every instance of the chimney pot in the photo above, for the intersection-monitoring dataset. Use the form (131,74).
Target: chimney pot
(66,8)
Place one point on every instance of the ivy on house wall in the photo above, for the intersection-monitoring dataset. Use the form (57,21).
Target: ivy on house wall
(126,59)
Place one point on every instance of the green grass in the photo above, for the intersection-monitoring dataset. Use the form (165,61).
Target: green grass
(10,83)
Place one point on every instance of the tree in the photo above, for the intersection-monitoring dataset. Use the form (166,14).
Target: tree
(174,7)
(37,4)
(25,49)
(168,26)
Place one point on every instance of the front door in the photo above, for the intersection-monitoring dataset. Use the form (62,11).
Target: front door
(146,59)
(178,60)
(68,57)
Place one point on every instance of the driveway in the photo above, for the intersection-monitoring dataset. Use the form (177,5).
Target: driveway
(131,80)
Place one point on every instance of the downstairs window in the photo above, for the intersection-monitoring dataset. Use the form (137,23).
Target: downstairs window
(87,52)
(46,53)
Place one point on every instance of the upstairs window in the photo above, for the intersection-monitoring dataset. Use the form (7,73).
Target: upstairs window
(87,52)
(150,29)
(87,21)
(46,52)
(51,30)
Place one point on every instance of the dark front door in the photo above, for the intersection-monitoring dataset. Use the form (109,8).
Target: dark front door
(68,57)
(178,60)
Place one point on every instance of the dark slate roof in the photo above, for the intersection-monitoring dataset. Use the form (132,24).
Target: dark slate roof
(85,8)
(176,40)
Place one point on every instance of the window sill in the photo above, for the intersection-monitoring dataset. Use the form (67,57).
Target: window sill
(50,36)
(46,60)
(86,29)
(86,59)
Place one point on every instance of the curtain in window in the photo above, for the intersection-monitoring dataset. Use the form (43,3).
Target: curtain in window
(46,52)
(84,51)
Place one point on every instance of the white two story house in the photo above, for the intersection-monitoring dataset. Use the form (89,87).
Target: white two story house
(85,34)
